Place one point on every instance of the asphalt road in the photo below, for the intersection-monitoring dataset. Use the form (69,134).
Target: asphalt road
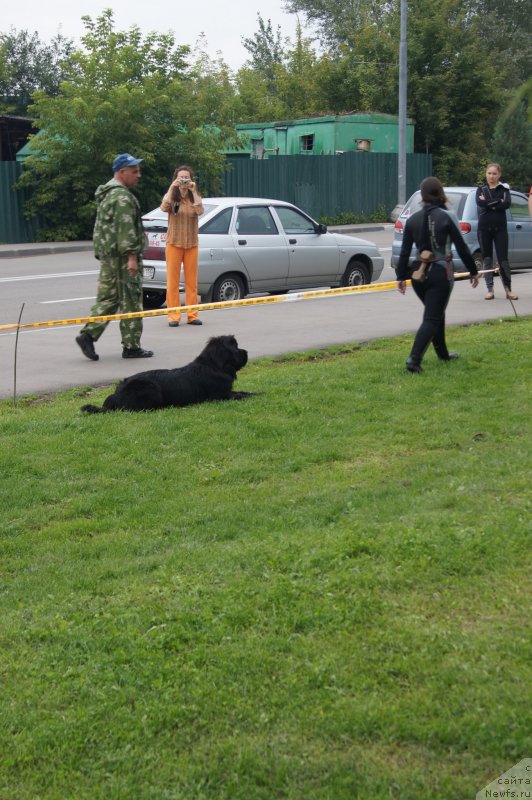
(63,285)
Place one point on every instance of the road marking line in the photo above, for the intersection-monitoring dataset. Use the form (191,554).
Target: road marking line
(49,275)
(68,300)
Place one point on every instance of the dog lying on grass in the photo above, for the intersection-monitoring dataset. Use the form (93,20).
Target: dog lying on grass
(209,377)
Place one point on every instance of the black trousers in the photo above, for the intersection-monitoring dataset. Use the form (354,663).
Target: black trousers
(488,238)
(434,293)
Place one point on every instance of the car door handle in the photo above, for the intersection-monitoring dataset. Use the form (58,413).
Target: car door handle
(518,227)
(242,241)
(292,241)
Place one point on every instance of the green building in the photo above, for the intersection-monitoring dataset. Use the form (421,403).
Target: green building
(341,133)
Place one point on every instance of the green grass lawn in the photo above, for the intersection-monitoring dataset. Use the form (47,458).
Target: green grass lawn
(320,593)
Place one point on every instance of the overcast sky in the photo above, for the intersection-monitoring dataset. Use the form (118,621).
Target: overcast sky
(223,23)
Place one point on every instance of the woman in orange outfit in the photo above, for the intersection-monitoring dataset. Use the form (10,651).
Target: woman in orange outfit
(184,206)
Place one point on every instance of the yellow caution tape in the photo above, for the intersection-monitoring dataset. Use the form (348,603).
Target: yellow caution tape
(254,301)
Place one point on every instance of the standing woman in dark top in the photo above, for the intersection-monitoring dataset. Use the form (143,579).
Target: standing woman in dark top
(432,229)
(492,200)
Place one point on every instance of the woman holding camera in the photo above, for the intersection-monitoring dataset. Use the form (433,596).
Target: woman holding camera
(183,204)
(492,200)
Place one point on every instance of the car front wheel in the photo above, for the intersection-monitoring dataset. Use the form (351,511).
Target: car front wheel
(356,274)
(151,299)
(228,287)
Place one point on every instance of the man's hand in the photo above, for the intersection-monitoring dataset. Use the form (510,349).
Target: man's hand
(401,286)
(132,264)
(474,281)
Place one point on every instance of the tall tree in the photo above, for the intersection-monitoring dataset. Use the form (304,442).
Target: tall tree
(334,21)
(279,80)
(455,82)
(512,147)
(266,51)
(126,93)
(454,89)
(297,79)
(505,30)
(27,64)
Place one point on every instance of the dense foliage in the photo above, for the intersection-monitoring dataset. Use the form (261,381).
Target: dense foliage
(27,64)
(465,58)
(124,92)
(467,93)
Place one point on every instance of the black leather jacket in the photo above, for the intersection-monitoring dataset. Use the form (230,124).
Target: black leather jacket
(444,233)
(492,210)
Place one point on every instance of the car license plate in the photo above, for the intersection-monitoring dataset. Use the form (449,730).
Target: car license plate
(149,272)
(157,239)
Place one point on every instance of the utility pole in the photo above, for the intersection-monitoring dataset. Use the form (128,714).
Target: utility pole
(401,166)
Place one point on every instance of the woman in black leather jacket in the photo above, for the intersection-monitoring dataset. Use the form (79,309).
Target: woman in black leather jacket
(432,229)
(492,200)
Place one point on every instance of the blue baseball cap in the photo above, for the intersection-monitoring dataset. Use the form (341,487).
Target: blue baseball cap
(125,160)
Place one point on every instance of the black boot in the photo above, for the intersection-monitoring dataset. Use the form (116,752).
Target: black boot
(136,352)
(86,343)
(413,364)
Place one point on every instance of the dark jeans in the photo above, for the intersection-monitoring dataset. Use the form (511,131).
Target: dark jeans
(498,238)
(434,293)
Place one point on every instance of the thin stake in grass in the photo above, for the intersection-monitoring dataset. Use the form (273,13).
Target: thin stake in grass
(15,357)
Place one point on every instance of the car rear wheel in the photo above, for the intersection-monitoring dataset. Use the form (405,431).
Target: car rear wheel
(228,287)
(356,274)
(152,299)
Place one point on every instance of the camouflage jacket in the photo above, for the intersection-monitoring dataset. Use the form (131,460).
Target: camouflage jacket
(118,228)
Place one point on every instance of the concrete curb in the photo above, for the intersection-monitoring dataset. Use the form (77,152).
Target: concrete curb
(52,248)
(42,249)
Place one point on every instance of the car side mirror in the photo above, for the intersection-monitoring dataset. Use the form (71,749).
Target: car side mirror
(321,228)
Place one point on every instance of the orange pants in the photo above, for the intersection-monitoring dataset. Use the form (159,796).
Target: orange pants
(175,256)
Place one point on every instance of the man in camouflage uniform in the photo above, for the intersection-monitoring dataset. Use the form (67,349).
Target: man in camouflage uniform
(118,244)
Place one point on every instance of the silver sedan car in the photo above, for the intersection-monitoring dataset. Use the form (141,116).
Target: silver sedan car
(249,245)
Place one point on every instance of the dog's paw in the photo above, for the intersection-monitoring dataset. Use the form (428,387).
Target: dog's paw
(242,395)
(90,409)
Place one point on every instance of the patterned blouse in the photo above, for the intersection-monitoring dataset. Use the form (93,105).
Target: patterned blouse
(183,226)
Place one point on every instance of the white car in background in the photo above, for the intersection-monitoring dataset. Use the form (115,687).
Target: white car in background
(249,244)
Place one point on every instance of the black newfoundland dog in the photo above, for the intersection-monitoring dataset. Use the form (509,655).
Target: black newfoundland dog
(209,377)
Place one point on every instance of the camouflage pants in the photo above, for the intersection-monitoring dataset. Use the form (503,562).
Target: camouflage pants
(117,291)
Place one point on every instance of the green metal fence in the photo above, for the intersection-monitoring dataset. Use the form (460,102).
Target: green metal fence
(358,182)
(14,228)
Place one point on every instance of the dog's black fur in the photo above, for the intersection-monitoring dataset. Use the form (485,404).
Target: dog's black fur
(209,377)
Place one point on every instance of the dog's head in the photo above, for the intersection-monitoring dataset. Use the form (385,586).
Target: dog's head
(224,353)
